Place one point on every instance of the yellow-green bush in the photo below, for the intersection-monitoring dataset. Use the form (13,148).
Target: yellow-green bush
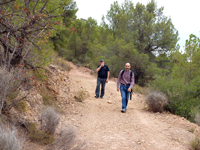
(47,98)
(21,106)
(138,89)
(36,135)
(81,95)
(61,62)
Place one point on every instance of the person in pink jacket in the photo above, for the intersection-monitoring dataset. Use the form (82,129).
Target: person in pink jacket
(125,82)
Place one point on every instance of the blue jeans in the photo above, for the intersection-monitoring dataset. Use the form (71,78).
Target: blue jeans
(125,95)
(101,81)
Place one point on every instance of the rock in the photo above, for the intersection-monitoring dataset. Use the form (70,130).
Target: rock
(92,72)
(109,102)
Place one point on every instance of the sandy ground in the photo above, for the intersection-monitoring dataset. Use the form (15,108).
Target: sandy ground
(103,127)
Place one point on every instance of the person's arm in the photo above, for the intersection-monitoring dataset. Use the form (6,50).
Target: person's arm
(132,82)
(118,81)
(97,70)
(108,75)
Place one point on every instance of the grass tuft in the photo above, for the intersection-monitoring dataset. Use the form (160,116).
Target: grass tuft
(195,143)
(81,95)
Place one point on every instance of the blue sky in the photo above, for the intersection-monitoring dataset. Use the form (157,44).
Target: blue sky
(184,13)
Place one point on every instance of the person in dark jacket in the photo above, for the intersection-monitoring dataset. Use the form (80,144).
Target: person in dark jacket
(102,79)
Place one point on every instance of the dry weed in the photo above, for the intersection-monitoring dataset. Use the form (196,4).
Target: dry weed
(5,79)
(9,139)
(197,118)
(68,140)
(156,101)
(195,115)
(50,119)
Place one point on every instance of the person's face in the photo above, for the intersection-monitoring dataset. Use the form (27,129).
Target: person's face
(102,62)
(127,66)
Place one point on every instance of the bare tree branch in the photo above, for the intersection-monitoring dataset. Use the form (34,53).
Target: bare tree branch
(7,2)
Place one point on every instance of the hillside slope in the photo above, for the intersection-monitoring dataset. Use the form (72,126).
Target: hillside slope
(102,126)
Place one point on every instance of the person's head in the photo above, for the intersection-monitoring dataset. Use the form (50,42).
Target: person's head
(102,61)
(127,66)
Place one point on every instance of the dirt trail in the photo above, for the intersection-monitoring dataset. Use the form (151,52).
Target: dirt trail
(104,127)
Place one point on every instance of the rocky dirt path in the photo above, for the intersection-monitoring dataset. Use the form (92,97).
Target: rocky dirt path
(104,127)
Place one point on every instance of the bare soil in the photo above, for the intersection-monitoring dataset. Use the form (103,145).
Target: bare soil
(100,123)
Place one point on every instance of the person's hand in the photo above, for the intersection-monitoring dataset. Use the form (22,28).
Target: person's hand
(129,89)
(106,80)
(102,64)
(117,89)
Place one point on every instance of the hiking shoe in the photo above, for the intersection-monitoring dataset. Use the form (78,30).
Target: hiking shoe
(96,97)
(101,97)
(123,110)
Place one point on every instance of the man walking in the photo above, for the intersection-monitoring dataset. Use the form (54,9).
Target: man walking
(125,83)
(103,76)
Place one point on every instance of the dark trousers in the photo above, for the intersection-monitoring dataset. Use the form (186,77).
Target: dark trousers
(102,82)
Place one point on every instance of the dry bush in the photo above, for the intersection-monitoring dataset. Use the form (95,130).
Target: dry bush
(156,101)
(5,79)
(81,95)
(197,118)
(50,119)
(195,115)
(68,140)
(9,139)
(12,84)
(195,143)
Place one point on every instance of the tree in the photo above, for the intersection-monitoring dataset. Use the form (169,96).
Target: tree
(145,26)
(25,27)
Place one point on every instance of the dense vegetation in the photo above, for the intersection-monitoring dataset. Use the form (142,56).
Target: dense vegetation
(128,33)
(145,37)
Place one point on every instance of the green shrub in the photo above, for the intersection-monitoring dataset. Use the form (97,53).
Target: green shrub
(75,61)
(182,95)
